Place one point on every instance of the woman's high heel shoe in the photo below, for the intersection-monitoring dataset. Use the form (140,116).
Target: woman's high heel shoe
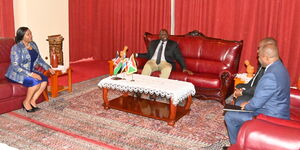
(28,110)
(35,108)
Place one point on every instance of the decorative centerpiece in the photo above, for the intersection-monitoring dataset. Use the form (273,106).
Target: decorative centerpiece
(55,49)
(245,77)
(123,64)
(249,69)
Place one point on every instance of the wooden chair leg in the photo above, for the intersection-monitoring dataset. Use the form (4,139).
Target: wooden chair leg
(45,94)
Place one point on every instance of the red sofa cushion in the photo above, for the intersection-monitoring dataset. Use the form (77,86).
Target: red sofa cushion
(5,46)
(6,90)
(283,122)
(206,80)
(259,134)
(19,90)
(9,89)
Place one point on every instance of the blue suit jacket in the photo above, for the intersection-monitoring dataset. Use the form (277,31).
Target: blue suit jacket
(20,62)
(272,94)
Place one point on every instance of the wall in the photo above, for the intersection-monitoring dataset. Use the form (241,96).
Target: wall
(44,18)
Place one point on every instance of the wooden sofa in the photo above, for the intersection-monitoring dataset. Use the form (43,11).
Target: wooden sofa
(213,61)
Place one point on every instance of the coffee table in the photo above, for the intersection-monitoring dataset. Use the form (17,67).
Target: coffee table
(175,91)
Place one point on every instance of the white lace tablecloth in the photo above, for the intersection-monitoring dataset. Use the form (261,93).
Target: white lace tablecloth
(178,90)
(243,77)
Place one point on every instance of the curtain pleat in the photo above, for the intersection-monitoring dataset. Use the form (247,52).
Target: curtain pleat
(98,28)
(7,27)
(247,20)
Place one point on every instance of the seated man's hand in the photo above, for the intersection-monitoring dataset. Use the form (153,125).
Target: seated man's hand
(188,71)
(244,104)
(237,93)
(136,55)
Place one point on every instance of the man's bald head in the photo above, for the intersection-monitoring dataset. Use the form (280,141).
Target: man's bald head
(267,41)
(270,51)
(268,54)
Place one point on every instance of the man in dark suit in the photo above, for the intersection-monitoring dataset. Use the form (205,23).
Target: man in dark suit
(244,92)
(271,96)
(161,56)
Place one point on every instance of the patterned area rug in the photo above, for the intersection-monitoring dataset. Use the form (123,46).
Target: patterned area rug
(78,120)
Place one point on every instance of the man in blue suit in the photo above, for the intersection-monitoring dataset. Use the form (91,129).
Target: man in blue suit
(244,92)
(271,97)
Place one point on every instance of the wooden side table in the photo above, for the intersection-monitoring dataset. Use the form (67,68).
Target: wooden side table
(241,78)
(111,67)
(55,87)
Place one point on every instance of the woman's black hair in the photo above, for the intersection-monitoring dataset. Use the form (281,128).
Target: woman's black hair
(20,34)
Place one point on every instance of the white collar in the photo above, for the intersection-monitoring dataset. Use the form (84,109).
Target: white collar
(268,66)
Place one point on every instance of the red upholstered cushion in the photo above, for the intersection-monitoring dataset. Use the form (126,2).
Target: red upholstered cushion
(206,80)
(19,90)
(6,90)
(9,89)
(199,80)
(190,46)
(259,134)
(283,122)
(140,62)
(204,65)
(3,69)
(5,47)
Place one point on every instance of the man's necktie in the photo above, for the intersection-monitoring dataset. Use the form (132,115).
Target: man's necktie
(258,75)
(159,53)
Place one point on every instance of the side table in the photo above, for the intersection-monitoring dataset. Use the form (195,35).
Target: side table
(241,78)
(55,87)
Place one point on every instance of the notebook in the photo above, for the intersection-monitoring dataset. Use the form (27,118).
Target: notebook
(229,107)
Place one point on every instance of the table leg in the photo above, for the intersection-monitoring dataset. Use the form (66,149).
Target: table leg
(172,114)
(54,85)
(188,103)
(105,99)
(125,94)
(70,80)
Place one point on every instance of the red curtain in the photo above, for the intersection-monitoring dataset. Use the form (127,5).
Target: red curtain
(247,20)
(98,28)
(7,28)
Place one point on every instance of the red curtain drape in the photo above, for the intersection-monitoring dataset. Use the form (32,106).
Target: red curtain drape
(247,20)
(100,27)
(7,27)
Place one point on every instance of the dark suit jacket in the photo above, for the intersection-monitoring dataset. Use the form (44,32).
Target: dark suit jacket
(172,53)
(249,90)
